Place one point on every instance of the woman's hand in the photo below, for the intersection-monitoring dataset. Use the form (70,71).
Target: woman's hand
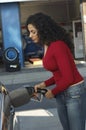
(40,85)
(49,94)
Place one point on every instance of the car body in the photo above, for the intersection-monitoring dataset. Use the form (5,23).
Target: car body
(18,97)
(12,121)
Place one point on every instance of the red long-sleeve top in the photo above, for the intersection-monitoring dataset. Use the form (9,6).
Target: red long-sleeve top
(59,60)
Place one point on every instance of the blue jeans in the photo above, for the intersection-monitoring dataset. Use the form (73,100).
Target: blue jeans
(70,108)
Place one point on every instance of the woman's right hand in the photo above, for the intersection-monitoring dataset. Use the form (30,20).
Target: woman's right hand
(40,85)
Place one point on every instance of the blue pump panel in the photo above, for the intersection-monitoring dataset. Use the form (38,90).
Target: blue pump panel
(11,27)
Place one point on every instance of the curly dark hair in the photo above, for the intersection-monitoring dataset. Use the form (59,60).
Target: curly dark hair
(48,30)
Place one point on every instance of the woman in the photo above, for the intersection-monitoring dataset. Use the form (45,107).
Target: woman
(58,58)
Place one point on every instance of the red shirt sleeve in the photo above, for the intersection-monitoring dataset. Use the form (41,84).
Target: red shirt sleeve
(50,81)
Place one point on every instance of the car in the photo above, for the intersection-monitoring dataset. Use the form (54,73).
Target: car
(18,97)
(12,121)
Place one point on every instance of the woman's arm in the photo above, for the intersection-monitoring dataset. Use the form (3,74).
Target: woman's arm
(49,81)
(44,84)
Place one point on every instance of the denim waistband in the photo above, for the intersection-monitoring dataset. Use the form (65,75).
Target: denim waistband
(76,85)
(75,90)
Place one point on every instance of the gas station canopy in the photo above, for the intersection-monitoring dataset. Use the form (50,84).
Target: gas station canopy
(6,1)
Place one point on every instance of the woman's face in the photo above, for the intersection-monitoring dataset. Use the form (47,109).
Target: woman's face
(33,33)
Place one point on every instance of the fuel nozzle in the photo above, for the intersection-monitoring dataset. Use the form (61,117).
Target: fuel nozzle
(41,91)
(39,95)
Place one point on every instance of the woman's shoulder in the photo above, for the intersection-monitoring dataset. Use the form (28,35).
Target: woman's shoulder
(59,44)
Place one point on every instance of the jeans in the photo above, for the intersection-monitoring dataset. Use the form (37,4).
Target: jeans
(70,108)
